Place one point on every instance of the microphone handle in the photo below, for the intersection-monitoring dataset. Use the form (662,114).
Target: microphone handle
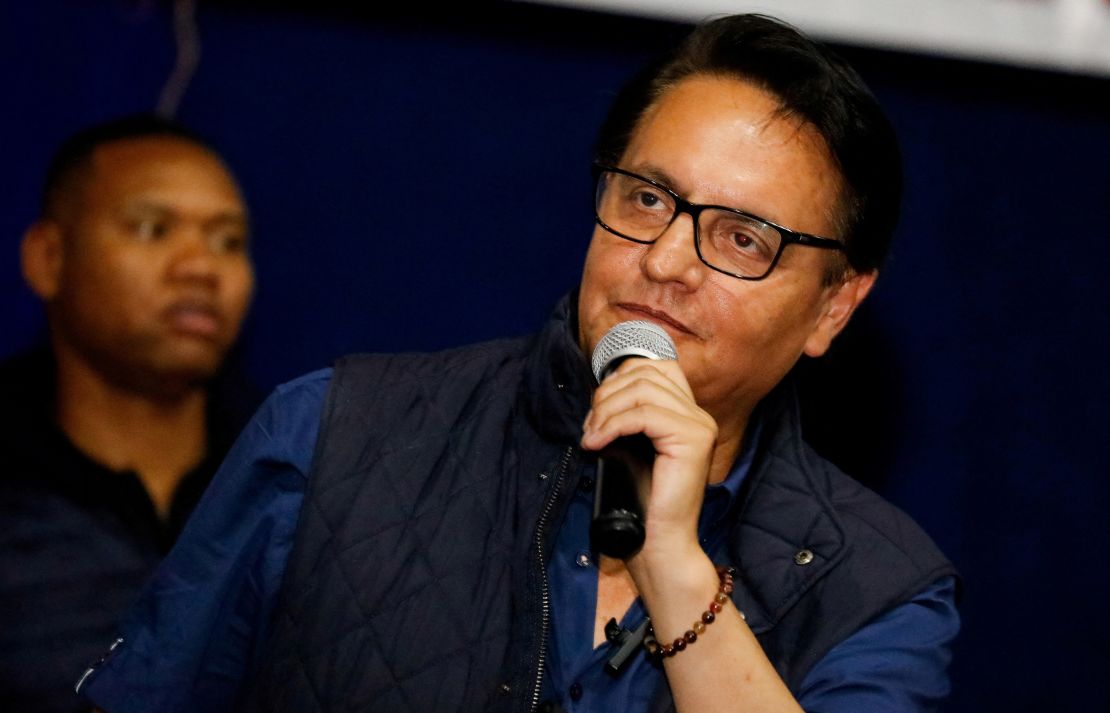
(617,528)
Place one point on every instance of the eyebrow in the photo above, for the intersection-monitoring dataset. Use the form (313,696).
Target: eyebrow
(155,206)
(148,206)
(662,177)
(223,217)
(658,175)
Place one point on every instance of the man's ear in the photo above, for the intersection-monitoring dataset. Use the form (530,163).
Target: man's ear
(839,306)
(41,256)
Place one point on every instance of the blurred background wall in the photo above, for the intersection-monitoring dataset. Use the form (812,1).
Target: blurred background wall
(419,178)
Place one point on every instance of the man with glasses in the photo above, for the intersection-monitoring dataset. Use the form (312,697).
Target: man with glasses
(747,188)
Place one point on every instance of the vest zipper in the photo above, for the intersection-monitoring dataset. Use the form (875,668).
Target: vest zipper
(545,595)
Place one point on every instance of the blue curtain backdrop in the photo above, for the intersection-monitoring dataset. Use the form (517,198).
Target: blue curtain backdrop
(422,182)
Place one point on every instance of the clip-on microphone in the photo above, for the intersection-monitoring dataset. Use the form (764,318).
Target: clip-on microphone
(627,641)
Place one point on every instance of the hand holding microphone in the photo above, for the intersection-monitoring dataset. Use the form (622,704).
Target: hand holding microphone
(617,529)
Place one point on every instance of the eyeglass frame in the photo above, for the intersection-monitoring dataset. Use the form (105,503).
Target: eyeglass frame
(694,210)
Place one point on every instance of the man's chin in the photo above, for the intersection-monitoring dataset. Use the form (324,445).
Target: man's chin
(195,368)
(176,374)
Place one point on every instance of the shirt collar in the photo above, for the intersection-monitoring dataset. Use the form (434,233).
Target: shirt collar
(721,497)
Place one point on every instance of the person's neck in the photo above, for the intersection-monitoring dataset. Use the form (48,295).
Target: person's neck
(729,441)
(732,428)
(159,435)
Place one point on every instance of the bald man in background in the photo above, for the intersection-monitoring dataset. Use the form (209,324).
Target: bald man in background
(113,429)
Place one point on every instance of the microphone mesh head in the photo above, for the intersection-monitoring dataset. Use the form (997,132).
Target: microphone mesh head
(634,338)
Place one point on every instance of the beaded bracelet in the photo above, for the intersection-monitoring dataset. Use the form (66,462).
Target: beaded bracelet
(662,651)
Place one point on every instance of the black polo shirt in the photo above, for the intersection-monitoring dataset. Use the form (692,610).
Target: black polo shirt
(77,540)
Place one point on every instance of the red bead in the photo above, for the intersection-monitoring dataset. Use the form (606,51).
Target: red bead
(679,644)
(714,607)
(726,589)
(708,617)
(690,636)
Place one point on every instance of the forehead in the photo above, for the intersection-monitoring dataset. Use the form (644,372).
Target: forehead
(725,141)
(161,169)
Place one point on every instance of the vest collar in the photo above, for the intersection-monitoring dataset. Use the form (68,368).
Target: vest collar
(558,383)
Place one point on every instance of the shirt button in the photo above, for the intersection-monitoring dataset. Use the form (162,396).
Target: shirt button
(575,691)
(803,557)
(583,559)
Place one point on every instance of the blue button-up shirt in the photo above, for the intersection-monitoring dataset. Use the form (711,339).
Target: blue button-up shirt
(197,631)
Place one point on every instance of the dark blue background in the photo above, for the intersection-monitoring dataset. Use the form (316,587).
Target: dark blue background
(419,182)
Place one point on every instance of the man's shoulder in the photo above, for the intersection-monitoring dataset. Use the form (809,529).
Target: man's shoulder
(307,385)
(373,398)
(859,512)
(853,499)
(285,426)
(806,521)
(458,356)
(873,523)
(378,374)
(476,360)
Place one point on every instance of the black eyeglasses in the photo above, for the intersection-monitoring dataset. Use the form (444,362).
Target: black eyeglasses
(728,240)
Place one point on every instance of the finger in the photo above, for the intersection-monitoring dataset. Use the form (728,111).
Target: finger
(634,390)
(666,369)
(675,433)
(672,379)
(638,387)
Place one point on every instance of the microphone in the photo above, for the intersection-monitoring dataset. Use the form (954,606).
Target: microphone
(617,528)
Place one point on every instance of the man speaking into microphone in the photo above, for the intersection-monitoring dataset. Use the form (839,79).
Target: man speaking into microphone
(413,532)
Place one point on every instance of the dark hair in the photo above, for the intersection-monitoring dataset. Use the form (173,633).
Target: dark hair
(812,83)
(74,154)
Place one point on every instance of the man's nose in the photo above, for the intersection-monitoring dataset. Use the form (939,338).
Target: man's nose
(673,256)
(194,257)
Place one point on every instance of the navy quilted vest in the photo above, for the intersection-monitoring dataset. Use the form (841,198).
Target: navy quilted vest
(416,581)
